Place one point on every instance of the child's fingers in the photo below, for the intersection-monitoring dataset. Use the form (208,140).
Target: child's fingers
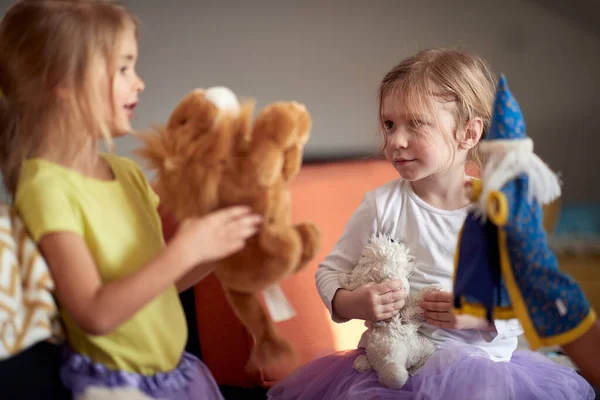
(387,315)
(246,232)
(254,220)
(392,297)
(437,297)
(438,316)
(392,307)
(250,221)
(436,306)
(243,227)
(389,286)
(232,213)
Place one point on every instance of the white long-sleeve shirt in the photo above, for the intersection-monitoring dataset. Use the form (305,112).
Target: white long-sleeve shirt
(431,235)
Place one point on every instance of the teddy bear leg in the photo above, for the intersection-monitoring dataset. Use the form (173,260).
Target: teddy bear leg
(389,360)
(269,348)
(423,348)
(362,364)
(311,237)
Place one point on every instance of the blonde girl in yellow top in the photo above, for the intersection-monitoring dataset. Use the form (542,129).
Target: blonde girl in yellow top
(68,78)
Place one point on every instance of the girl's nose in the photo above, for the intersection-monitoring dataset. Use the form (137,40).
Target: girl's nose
(399,140)
(140,85)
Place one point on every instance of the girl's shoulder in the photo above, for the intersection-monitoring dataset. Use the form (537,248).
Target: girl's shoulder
(41,178)
(387,200)
(389,191)
(127,170)
(122,164)
(131,175)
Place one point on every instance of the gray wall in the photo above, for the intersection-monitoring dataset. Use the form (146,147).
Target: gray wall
(332,54)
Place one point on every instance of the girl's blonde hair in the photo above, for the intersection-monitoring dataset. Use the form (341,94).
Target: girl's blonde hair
(445,75)
(54,54)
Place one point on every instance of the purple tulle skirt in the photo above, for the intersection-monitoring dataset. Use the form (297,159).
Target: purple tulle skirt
(86,379)
(451,373)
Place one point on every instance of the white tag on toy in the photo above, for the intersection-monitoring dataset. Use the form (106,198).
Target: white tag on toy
(562,309)
(277,304)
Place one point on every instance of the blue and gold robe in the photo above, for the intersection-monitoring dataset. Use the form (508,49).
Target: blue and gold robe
(505,269)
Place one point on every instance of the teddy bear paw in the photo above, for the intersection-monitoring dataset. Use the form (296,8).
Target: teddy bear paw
(362,364)
(393,375)
(310,237)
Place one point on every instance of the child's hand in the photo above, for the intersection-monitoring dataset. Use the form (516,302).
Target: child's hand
(216,235)
(437,307)
(370,302)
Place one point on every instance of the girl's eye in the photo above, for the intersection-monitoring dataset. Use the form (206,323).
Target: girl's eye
(416,124)
(123,69)
(389,125)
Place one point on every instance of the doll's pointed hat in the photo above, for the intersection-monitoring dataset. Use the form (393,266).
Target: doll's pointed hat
(507,129)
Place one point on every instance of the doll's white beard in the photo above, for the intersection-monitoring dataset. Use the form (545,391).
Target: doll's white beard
(502,167)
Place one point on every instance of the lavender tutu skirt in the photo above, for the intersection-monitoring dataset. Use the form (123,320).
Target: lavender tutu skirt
(88,380)
(451,373)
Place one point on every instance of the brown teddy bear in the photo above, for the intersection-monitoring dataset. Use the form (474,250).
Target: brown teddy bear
(212,155)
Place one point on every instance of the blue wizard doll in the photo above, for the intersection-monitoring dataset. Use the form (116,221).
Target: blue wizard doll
(504,267)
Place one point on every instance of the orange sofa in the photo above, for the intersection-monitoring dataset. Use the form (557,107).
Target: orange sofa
(326,193)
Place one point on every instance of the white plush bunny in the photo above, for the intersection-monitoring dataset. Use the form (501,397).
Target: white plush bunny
(395,347)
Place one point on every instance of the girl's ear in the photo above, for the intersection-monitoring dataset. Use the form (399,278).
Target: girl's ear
(472,133)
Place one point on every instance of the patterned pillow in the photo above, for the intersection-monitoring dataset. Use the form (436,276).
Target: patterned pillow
(28,311)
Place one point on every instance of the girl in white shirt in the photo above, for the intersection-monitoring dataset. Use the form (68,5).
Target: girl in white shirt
(434,109)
